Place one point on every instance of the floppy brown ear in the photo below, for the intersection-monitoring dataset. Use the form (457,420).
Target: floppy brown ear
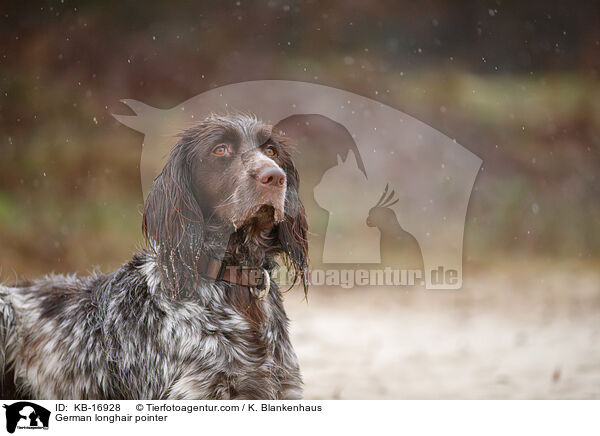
(173,223)
(292,236)
(292,231)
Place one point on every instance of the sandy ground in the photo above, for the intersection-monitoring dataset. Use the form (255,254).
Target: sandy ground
(533,332)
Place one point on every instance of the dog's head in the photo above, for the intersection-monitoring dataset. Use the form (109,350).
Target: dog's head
(228,180)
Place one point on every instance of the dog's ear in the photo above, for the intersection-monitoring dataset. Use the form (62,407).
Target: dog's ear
(292,231)
(173,223)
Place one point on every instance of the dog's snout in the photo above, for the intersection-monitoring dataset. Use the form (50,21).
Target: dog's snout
(272,176)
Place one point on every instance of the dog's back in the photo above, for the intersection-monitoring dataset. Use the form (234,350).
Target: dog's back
(8,343)
(29,338)
(52,341)
(63,336)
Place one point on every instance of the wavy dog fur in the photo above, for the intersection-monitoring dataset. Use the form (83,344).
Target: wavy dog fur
(157,328)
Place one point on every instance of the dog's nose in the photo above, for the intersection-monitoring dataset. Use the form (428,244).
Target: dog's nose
(272,176)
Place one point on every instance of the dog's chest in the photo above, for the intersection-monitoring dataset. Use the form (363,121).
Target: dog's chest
(224,348)
(234,330)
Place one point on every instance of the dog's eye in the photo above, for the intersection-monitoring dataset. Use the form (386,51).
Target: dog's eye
(270,151)
(221,150)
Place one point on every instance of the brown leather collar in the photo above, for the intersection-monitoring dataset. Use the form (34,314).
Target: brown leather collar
(253,278)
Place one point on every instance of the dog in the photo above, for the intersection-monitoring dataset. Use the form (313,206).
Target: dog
(194,314)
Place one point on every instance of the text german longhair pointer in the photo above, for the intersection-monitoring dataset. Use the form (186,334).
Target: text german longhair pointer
(192,316)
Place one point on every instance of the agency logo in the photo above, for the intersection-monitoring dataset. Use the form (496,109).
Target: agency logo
(26,415)
(385,194)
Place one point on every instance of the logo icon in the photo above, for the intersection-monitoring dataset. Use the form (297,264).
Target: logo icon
(26,415)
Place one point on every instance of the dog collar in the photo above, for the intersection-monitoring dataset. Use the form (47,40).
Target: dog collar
(257,279)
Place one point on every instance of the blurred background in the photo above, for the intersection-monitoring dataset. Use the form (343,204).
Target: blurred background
(516,83)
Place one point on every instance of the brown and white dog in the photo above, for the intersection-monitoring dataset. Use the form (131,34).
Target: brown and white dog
(192,316)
